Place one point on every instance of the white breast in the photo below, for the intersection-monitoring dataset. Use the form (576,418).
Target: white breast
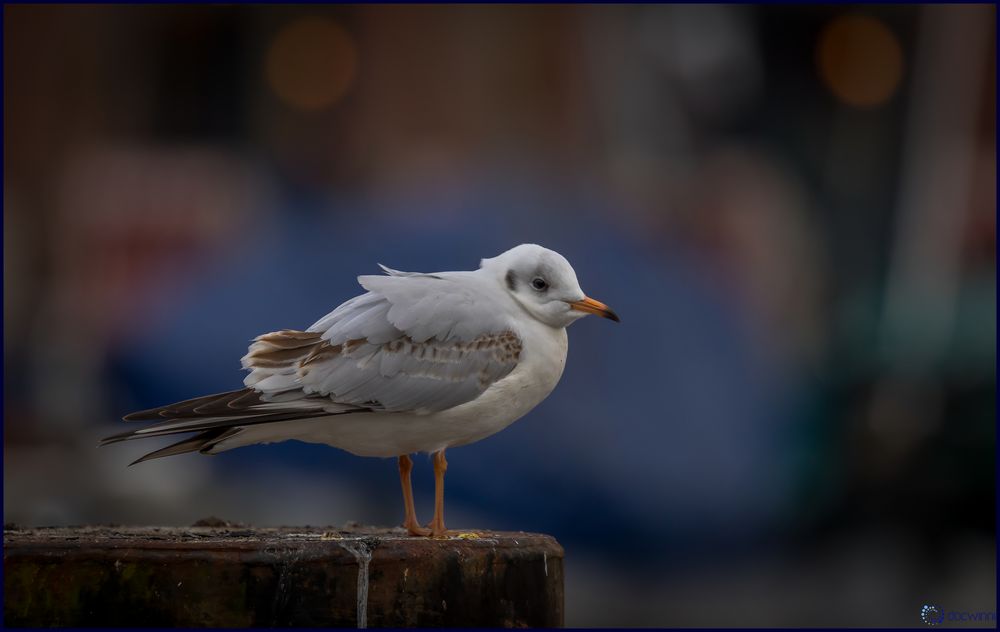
(543,361)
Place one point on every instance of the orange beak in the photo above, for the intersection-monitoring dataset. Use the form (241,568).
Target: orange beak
(590,306)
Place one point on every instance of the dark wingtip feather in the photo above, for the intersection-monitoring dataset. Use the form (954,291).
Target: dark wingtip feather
(186,408)
(123,436)
(142,415)
(197,443)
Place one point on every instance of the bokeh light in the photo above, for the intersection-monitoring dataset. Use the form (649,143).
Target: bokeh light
(311,63)
(860,60)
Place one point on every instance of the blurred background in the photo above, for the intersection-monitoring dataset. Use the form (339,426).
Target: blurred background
(793,209)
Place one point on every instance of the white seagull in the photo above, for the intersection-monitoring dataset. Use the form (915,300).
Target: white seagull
(418,363)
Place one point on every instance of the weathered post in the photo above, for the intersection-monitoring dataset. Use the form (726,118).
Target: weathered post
(241,577)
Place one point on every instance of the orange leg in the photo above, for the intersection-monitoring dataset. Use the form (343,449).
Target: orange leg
(410,521)
(440,467)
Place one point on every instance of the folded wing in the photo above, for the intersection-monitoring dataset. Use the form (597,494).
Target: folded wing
(414,343)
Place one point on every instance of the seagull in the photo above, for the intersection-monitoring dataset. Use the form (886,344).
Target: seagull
(421,362)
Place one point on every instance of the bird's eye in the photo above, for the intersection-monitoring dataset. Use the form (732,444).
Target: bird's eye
(539,284)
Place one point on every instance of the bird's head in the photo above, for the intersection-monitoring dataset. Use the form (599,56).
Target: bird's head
(544,284)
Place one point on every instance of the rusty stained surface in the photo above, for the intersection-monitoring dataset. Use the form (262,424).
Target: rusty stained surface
(241,577)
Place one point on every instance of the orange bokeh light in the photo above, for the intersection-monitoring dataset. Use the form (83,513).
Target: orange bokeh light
(860,60)
(311,63)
